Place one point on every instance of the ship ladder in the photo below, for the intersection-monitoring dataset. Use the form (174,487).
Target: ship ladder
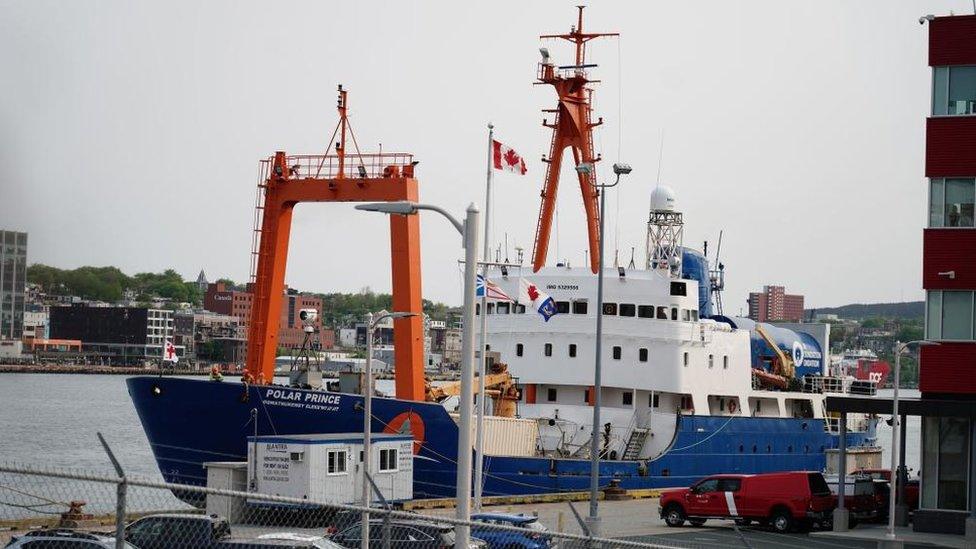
(635,444)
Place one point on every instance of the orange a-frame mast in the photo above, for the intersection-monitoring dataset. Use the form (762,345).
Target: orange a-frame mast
(335,177)
(572,128)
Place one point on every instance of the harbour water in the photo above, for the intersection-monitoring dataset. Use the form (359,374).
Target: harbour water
(52,421)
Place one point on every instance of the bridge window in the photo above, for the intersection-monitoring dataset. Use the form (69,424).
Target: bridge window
(520,309)
(725,362)
(662,313)
(686,359)
(627,309)
(685,315)
(617,352)
(503,308)
(579,307)
(645,311)
(551,395)
(610,308)
(642,355)
(674,313)
(548,349)
(653,400)
(572,350)
(678,288)
(477,309)
(562,307)
(711,360)
(519,349)
(694,315)
(628,398)
(491,308)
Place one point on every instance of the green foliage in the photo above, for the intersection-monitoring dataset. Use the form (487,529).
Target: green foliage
(874,322)
(108,283)
(341,309)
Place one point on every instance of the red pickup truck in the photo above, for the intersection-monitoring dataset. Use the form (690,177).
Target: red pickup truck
(782,500)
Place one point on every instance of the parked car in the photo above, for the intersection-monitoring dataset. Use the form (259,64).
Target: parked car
(536,538)
(911,487)
(864,497)
(279,539)
(782,500)
(405,534)
(177,530)
(62,539)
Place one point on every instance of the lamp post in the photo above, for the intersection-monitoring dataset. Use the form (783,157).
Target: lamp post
(371,324)
(593,520)
(469,230)
(896,464)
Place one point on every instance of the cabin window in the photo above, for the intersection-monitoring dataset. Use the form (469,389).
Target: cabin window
(686,402)
(662,313)
(477,309)
(548,349)
(686,359)
(711,361)
(388,460)
(694,315)
(617,351)
(655,400)
(645,311)
(503,308)
(519,349)
(758,405)
(642,354)
(609,308)
(551,395)
(562,307)
(572,350)
(628,309)
(628,398)
(586,396)
(725,362)
(678,288)
(491,308)
(579,307)
(674,313)
(685,315)
(337,462)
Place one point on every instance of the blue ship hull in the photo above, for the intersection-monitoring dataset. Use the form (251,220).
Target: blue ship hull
(190,422)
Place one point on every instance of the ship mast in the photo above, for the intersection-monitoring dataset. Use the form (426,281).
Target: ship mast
(572,128)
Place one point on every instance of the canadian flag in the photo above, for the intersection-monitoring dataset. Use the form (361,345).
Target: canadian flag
(505,158)
(169,353)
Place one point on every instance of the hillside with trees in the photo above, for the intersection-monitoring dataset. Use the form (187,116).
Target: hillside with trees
(858,311)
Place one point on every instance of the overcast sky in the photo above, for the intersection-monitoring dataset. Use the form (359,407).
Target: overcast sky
(130,132)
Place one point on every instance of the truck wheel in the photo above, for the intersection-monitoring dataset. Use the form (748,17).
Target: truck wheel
(674,516)
(696,521)
(781,520)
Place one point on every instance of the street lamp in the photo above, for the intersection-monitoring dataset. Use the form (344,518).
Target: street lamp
(469,230)
(896,466)
(585,169)
(371,324)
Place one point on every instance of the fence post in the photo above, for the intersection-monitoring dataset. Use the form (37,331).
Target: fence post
(386,505)
(582,523)
(119,496)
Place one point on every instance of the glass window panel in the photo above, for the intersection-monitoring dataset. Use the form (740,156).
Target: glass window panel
(953,463)
(962,90)
(936,203)
(934,328)
(940,82)
(957,315)
(959,199)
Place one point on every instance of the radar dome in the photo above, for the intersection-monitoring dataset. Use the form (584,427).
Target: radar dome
(662,199)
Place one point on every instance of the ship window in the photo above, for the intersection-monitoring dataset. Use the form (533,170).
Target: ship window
(678,288)
(609,308)
(725,362)
(617,351)
(579,307)
(586,396)
(572,350)
(711,361)
(645,311)
(655,400)
(685,315)
(519,349)
(628,398)
(551,395)
(686,359)
(627,309)
(548,349)
(503,308)
(694,315)
(959,200)
(674,313)
(562,307)
(520,309)
(388,460)
(662,313)
(642,355)
(758,405)
(477,309)
(686,402)
(491,308)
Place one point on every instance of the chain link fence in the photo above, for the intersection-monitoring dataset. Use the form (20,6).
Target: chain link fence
(56,509)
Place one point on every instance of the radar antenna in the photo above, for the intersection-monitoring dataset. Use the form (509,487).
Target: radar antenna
(716,276)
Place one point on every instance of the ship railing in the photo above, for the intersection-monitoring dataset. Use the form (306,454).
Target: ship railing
(68,503)
(355,166)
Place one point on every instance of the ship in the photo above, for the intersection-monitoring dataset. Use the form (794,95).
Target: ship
(686,391)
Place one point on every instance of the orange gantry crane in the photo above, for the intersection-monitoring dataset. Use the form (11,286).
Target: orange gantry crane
(336,176)
(573,128)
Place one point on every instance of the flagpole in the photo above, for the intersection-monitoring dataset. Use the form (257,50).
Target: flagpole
(480,425)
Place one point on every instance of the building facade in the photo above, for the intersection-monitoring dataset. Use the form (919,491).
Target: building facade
(237,303)
(13,283)
(947,371)
(120,334)
(774,304)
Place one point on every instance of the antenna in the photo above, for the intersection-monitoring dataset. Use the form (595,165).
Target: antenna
(716,277)
(660,158)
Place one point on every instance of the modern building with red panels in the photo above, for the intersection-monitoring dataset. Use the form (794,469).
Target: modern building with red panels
(948,370)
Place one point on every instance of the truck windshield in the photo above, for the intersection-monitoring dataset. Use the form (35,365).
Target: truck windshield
(818,486)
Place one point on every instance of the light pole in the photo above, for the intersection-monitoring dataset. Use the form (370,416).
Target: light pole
(371,324)
(593,520)
(469,230)
(896,464)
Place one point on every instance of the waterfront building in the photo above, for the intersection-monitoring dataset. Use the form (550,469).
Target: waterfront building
(236,302)
(13,283)
(774,304)
(118,334)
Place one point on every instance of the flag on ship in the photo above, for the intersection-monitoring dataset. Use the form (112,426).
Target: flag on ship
(494,292)
(505,158)
(169,352)
(530,294)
